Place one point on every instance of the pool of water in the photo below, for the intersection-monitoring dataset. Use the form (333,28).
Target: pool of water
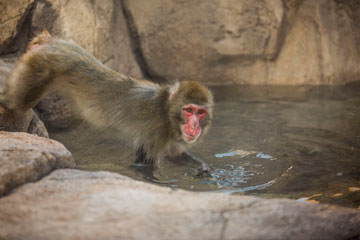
(294,142)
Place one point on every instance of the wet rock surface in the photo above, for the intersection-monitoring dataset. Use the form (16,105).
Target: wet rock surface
(26,158)
(74,204)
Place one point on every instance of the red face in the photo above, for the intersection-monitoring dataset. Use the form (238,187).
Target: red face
(193,115)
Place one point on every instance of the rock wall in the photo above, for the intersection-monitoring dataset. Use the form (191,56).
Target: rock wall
(216,42)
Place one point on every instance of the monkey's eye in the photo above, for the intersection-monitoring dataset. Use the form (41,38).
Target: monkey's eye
(201,112)
(189,110)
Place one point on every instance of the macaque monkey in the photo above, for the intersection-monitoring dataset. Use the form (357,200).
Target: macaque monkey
(158,120)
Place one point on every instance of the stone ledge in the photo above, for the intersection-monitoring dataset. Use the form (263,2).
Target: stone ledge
(26,158)
(74,204)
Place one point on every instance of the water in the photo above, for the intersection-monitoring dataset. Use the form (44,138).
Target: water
(288,142)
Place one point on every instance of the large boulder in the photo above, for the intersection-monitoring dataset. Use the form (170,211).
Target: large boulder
(322,46)
(74,204)
(26,158)
(202,40)
(249,42)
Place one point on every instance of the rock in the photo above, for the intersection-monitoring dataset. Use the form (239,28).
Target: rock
(26,158)
(212,37)
(249,42)
(37,127)
(55,111)
(74,204)
(12,17)
(291,42)
(322,47)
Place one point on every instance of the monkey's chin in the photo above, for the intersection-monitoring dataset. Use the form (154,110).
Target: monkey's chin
(190,139)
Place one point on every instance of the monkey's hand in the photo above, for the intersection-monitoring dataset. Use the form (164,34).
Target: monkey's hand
(188,159)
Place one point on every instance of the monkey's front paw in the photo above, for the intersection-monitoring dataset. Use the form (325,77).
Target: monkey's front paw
(204,171)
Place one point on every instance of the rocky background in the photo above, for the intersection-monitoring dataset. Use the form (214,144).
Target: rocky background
(215,42)
(289,42)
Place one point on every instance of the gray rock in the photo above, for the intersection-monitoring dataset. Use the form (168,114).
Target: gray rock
(26,158)
(74,204)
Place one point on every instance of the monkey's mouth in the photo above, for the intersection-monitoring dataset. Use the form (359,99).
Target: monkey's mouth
(188,137)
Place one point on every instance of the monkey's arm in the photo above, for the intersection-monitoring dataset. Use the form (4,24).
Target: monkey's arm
(188,159)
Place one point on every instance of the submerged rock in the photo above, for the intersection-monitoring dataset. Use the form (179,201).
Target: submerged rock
(74,204)
(26,158)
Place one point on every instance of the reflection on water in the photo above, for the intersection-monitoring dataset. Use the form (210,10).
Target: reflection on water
(294,142)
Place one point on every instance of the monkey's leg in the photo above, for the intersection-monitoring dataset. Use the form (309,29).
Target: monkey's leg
(142,159)
(26,84)
(146,166)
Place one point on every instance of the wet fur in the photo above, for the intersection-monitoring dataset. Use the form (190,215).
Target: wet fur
(146,113)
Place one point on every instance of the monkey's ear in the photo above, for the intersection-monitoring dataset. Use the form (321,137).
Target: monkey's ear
(173,89)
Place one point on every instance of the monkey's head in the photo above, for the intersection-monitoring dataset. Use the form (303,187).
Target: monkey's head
(190,110)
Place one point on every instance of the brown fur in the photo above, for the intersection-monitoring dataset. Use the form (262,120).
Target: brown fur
(146,113)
